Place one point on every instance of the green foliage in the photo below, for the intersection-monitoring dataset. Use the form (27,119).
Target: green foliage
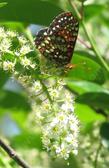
(83,65)
(87,114)
(93,10)
(31,11)
(3,4)
(88,81)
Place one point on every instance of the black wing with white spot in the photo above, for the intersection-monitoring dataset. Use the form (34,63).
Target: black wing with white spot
(58,40)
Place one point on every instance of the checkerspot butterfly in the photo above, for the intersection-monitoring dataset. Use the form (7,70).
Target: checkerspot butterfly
(57,42)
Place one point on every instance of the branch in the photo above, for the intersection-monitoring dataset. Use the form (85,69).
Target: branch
(13,154)
(94,48)
(85,44)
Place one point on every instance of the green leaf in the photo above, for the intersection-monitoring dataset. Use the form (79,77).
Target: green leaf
(15,26)
(3,4)
(104,132)
(61,163)
(3,77)
(29,11)
(98,100)
(93,10)
(87,114)
(13,100)
(85,86)
(86,68)
(27,140)
(101,76)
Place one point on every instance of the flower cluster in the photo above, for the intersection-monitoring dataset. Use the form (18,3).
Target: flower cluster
(59,124)
(50,101)
(14,51)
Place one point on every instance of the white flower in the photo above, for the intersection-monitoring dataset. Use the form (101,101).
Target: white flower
(8,66)
(60,126)
(27,63)
(25,49)
(73,119)
(22,40)
(61,83)
(24,79)
(46,142)
(61,152)
(46,106)
(5,45)
(62,135)
(54,122)
(17,53)
(62,118)
(2,33)
(1,30)
(66,107)
(11,34)
(54,93)
(36,87)
(69,97)
(69,138)
(75,151)
(32,65)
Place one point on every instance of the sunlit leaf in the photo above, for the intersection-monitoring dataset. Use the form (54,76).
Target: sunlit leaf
(85,86)
(3,4)
(87,114)
(86,68)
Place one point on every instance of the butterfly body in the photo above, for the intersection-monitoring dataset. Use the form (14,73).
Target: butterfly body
(57,42)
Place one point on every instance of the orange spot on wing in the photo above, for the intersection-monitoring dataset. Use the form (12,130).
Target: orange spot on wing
(42,49)
(68,14)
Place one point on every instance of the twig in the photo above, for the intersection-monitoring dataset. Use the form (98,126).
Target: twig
(83,43)
(82,9)
(13,154)
(94,48)
(46,90)
(96,51)
(75,9)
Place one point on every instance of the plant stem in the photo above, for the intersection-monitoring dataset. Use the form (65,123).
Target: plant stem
(75,9)
(13,154)
(83,43)
(46,90)
(94,48)
(30,37)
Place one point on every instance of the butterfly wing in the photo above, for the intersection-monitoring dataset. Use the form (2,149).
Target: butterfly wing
(57,42)
(39,41)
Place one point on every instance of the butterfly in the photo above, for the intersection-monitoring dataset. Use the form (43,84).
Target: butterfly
(57,42)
